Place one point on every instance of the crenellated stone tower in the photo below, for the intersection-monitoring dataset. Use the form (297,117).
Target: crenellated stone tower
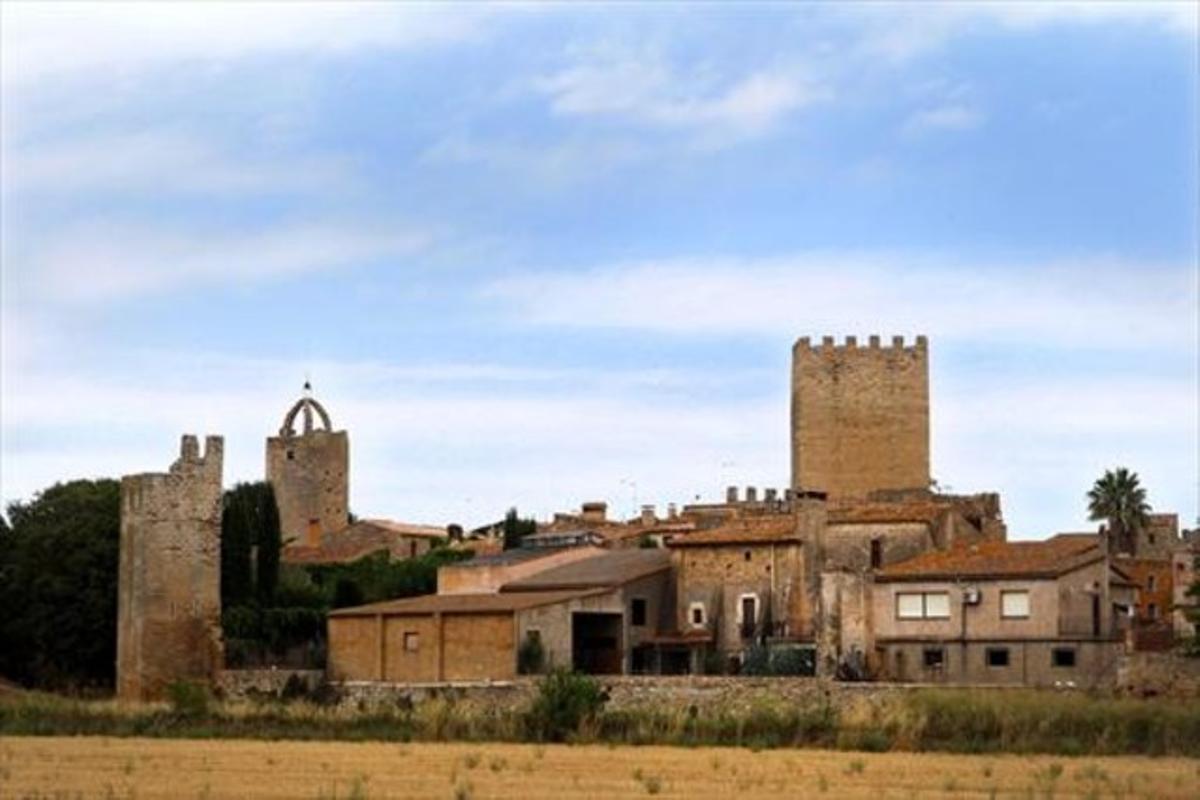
(860,417)
(169,584)
(310,471)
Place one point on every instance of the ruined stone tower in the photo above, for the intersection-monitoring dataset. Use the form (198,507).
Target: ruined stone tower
(169,587)
(860,416)
(310,471)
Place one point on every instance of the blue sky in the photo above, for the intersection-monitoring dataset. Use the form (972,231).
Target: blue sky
(537,255)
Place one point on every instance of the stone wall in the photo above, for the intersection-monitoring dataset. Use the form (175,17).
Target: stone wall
(169,599)
(311,476)
(1148,674)
(860,417)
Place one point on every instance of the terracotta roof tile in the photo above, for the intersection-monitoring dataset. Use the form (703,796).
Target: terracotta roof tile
(992,559)
(763,529)
(606,569)
(464,603)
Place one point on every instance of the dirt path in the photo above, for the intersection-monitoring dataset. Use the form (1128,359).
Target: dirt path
(100,767)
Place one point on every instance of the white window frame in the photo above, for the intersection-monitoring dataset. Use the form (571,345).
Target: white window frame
(1005,594)
(692,608)
(924,598)
(757,608)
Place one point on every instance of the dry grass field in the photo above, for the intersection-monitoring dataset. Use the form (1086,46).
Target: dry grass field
(100,767)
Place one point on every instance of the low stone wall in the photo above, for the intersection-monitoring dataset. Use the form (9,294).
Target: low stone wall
(703,692)
(242,683)
(1151,674)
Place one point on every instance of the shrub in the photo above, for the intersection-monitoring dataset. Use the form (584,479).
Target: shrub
(189,699)
(531,656)
(565,700)
(756,661)
(793,661)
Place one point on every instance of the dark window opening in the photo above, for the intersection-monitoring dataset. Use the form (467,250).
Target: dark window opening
(637,611)
(412,549)
(746,555)
(934,657)
(1063,657)
(698,615)
(1152,611)
(291,455)
(997,656)
(876,553)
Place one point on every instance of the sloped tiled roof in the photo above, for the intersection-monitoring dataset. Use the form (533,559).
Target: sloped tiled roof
(464,603)
(764,529)
(868,513)
(993,559)
(606,569)
(363,538)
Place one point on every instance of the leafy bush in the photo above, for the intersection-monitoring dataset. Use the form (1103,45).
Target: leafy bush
(189,699)
(531,656)
(565,700)
(793,661)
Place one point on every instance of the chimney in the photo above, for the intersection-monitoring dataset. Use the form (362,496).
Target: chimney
(595,511)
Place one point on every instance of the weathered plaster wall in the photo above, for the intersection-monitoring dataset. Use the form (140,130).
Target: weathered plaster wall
(169,593)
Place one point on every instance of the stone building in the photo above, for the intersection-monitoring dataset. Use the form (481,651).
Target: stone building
(594,613)
(1033,613)
(310,471)
(750,580)
(169,596)
(399,540)
(860,417)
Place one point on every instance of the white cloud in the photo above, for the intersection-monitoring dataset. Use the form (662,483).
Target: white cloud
(1083,303)
(47,40)
(643,88)
(101,262)
(943,118)
(160,161)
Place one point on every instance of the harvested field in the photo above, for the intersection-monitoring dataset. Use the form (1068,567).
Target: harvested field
(102,767)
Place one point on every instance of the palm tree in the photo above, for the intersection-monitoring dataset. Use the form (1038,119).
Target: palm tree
(1119,499)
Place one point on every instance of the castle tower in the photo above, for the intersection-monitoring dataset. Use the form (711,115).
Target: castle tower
(310,471)
(169,583)
(860,416)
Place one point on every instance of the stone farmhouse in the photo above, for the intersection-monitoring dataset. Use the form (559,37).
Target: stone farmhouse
(861,562)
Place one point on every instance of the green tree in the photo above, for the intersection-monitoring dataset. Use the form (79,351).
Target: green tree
(58,586)
(1118,498)
(250,545)
(516,529)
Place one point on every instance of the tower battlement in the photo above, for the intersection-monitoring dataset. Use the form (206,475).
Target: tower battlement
(860,415)
(851,343)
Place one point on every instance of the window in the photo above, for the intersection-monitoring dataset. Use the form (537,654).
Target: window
(876,553)
(1150,583)
(412,549)
(1062,657)
(637,611)
(746,555)
(1014,605)
(748,609)
(291,455)
(923,605)
(1150,538)
(412,641)
(934,657)
(997,656)
(696,614)
(1152,611)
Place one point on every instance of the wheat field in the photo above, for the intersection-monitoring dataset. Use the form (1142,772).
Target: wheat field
(101,767)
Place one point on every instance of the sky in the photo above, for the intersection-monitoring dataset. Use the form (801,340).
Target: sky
(537,255)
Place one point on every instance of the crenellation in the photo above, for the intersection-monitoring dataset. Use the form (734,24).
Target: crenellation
(860,417)
(873,341)
(169,604)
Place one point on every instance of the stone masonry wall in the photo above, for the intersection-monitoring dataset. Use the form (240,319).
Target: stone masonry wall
(860,417)
(311,476)
(169,595)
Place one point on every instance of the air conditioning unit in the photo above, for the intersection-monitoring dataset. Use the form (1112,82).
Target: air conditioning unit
(971,595)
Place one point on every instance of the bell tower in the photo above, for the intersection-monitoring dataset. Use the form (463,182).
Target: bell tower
(309,469)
